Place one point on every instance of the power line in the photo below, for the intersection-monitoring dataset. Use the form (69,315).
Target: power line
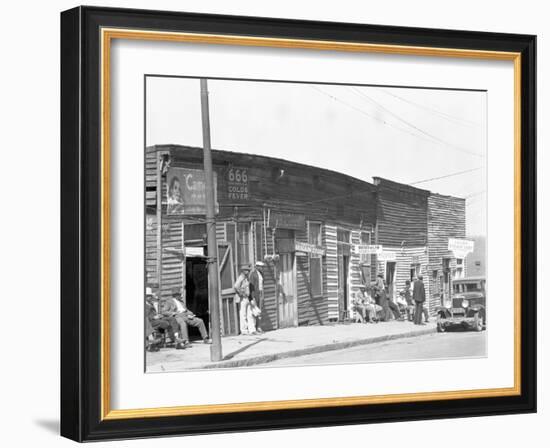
(361,111)
(449,117)
(397,117)
(445,176)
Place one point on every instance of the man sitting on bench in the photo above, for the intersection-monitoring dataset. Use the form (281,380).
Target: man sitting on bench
(176,308)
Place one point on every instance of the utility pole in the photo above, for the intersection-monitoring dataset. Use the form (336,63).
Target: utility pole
(213,289)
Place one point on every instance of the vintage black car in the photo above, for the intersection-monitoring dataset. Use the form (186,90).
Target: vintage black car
(467,307)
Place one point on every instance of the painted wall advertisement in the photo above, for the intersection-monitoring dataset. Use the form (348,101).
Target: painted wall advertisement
(187,192)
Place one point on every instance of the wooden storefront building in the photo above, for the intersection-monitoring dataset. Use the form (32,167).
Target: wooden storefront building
(314,228)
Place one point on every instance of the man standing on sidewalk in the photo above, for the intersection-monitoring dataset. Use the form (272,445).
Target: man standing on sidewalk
(242,297)
(257,291)
(419,297)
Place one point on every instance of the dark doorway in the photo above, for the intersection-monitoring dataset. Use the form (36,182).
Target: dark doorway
(343,292)
(196,291)
(390,278)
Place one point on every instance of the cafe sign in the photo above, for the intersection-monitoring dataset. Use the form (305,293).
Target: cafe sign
(368,249)
(460,247)
(309,248)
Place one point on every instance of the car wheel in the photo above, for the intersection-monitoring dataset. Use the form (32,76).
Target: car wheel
(478,322)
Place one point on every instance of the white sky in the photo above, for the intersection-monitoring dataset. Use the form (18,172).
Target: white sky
(402,134)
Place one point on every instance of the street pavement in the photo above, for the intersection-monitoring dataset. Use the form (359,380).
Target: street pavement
(251,350)
(433,346)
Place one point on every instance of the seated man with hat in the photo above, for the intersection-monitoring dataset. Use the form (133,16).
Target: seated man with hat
(367,305)
(155,321)
(175,307)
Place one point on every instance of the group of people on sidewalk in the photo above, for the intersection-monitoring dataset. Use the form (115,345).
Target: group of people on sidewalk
(373,304)
(249,294)
(169,317)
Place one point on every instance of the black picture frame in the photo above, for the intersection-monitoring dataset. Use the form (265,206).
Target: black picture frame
(81,210)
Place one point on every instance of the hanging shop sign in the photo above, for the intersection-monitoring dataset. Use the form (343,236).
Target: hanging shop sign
(191,251)
(237,184)
(292,221)
(368,249)
(387,256)
(309,248)
(460,247)
(186,192)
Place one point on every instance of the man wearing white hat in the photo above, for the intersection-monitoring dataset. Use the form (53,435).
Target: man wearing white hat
(242,297)
(257,293)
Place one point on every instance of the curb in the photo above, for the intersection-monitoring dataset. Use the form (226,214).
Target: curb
(263,359)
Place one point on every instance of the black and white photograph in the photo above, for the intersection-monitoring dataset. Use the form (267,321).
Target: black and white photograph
(294,223)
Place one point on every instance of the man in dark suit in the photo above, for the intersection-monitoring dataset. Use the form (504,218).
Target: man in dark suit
(419,297)
(256,285)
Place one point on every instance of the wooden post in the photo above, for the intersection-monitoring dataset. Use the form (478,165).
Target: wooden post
(213,286)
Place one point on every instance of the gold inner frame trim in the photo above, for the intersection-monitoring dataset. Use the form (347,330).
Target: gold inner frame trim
(107,35)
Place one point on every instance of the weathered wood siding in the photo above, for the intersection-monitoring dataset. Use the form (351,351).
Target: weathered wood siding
(405,258)
(295,188)
(172,264)
(311,310)
(446,219)
(401,215)
(269,311)
(330,280)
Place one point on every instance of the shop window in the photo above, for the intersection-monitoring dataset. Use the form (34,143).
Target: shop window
(244,244)
(259,241)
(315,261)
(343,236)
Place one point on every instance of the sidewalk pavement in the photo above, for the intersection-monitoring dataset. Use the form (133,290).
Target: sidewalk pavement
(251,350)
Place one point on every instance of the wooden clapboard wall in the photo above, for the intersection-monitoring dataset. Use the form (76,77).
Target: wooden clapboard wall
(269,311)
(405,257)
(355,264)
(446,219)
(311,310)
(151,274)
(330,285)
(172,264)
(401,218)
(279,184)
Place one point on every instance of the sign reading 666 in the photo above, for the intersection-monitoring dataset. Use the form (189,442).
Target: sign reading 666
(237,184)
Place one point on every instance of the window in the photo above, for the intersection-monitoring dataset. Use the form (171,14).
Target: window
(315,261)
(195,233)
(259,241)
(343,236)
(459,271)
(243,243)
(414,271)
(314,233)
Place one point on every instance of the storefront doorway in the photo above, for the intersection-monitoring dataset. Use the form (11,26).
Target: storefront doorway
(344,254)
(390,278)
(287,305)
(196,291)
(287,291)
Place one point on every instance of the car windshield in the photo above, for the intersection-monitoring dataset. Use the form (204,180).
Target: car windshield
(466,287)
